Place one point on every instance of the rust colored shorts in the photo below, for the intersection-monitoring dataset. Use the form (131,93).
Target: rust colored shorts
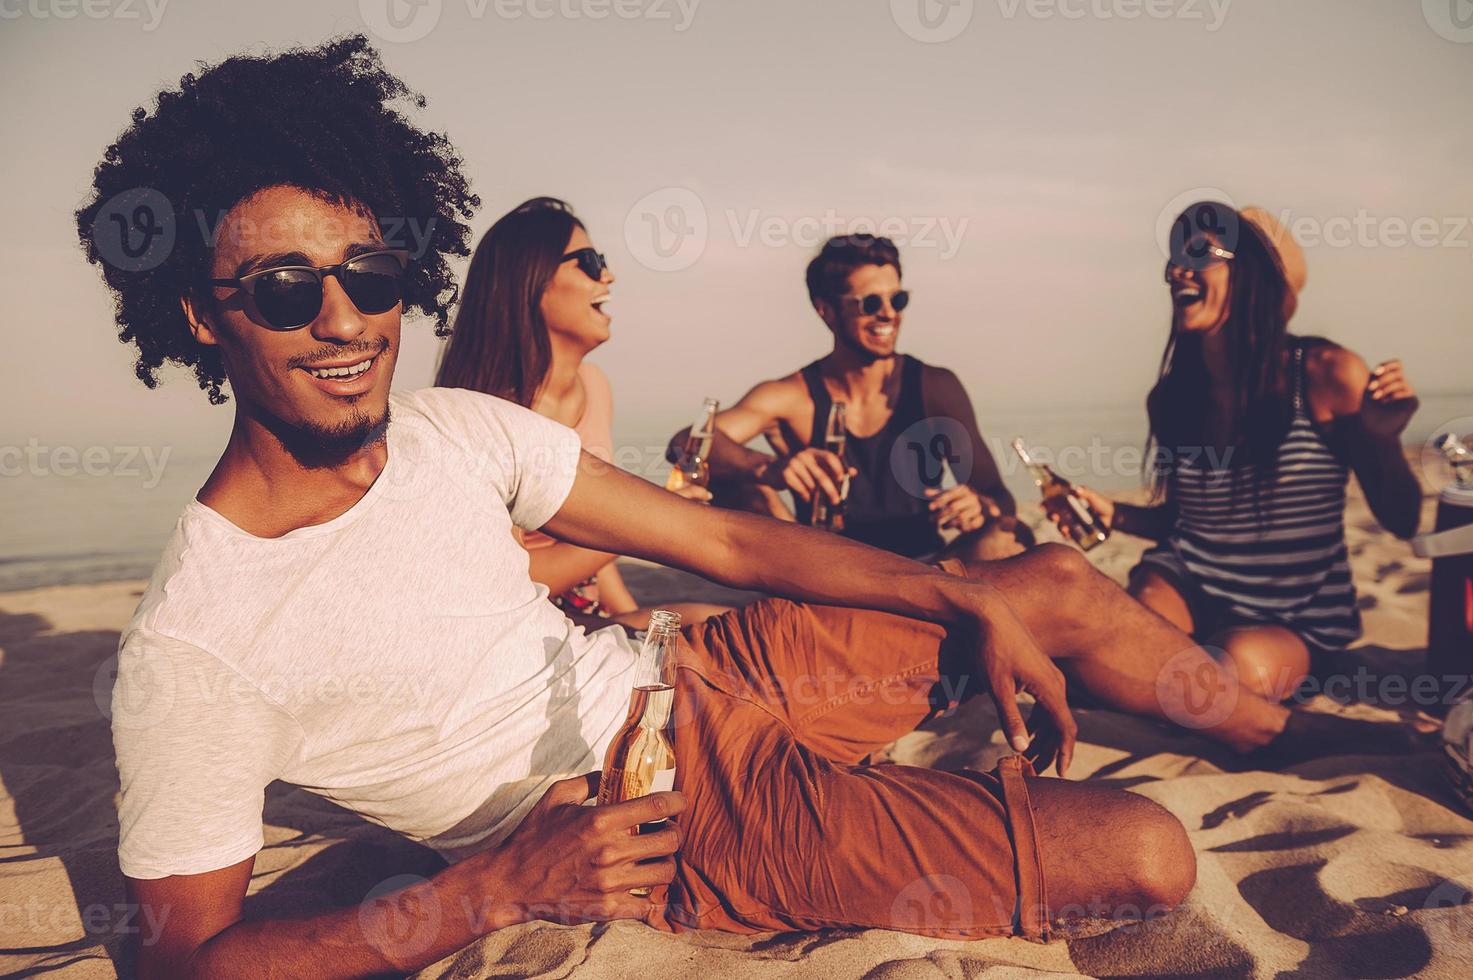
(785,829)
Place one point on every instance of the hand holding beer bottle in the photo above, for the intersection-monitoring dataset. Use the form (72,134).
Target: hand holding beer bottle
(1075,517)
(1103,506)
(828,509)
(808,473)
(570,863)
(641,757)
(692,468)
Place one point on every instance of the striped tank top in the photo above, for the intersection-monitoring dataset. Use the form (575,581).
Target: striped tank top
(1280,559)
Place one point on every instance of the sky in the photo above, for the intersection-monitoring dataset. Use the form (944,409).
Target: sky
(1026,154)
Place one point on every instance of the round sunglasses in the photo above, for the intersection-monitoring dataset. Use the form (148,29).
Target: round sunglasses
(1197,253)
(289,297)
(590,260)
(875,302)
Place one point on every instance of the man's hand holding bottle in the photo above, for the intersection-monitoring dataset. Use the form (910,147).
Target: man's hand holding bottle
(567,862)
(806,473)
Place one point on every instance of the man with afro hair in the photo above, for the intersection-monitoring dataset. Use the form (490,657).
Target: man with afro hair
(343,607)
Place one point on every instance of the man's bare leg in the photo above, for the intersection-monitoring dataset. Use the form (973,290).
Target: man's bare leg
(1126,655)
(1109,854)
(1134,660)
(996,541)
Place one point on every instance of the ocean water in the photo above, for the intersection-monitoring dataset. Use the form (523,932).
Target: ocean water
(63,525)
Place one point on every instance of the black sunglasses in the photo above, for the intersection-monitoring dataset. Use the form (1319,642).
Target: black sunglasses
(591,261)
(289,297)
(874,302)
(1198,252)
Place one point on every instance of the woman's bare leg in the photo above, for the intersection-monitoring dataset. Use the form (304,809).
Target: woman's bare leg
(1157,593)
(1271,661)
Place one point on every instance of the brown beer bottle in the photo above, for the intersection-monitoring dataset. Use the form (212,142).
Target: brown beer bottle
(827,514)
(693,466)
(1077,519)
(641,758)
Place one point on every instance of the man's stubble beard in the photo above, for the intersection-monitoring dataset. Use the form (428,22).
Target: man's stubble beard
(319,447)
(853,345)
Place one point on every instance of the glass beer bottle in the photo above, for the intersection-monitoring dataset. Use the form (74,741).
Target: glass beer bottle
(827,514)
(641,758)
(1077,519)
(693,466)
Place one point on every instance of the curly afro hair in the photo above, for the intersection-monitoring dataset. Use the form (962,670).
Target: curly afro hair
(322,119)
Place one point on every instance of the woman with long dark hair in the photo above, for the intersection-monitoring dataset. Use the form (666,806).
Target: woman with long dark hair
(535,305)
(1253,435)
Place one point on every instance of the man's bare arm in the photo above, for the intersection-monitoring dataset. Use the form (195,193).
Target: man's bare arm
(946,397)
(564,863)
(611,510)
(758,412)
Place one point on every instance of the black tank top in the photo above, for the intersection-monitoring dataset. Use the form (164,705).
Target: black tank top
(879,512)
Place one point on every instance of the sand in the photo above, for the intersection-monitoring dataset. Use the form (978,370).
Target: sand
(1342,866)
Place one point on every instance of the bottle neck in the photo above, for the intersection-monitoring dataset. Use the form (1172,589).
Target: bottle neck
(698,443)
(656,664)
(837,427)
(658,708)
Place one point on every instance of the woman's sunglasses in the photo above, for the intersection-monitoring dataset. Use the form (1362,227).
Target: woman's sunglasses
(289,297)
(591,261)
(875,302)
(1197,253)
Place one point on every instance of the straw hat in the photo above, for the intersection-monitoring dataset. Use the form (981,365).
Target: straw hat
(1286,249)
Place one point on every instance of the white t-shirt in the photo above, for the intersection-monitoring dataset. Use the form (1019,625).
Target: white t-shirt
(397,660)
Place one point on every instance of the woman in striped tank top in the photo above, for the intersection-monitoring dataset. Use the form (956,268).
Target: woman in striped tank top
(1254,434)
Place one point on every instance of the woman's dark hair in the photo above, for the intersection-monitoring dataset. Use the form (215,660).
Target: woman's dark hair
(321,119)
(500,344)
(1257,338)
(841,255)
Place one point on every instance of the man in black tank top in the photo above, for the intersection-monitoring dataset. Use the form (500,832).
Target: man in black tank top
(911,426)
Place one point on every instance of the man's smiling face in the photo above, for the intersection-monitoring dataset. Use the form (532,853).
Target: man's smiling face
(323,388)
(871,335)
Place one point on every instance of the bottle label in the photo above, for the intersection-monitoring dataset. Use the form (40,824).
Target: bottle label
(662,781)
(1081,511)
